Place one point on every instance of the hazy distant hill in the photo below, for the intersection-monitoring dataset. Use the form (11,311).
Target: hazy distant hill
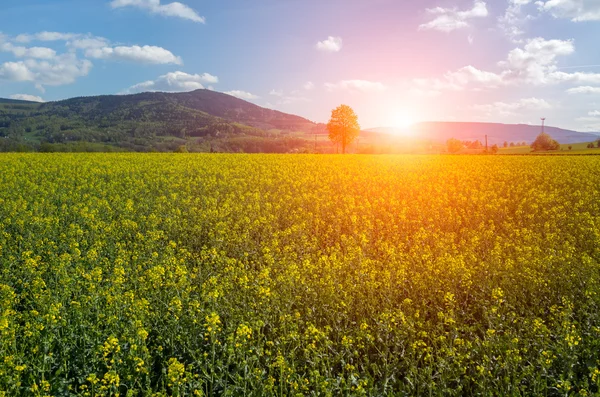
(497,133)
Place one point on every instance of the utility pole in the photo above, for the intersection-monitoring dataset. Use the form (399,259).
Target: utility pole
(543,123)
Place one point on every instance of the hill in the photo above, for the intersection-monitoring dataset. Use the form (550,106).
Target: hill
(146,121)
(205,120)
(497,133)
(16,101)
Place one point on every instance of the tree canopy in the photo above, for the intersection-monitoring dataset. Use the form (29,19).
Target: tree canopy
(545,142)
(454,145)
(343,127)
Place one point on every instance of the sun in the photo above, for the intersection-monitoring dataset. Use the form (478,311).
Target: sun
(402,122)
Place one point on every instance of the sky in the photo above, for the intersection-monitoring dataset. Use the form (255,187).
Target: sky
(396,62)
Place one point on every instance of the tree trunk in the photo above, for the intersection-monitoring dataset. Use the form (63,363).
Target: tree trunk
(343,148)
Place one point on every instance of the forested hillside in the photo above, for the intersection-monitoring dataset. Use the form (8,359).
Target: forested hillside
(141,122)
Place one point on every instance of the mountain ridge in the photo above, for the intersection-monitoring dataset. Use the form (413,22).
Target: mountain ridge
(497,133)
(208,120)
(145,121)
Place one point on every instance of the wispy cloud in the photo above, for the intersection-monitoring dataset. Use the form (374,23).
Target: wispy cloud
(576,10)
(242,94)
(174,9)
(356,86)
(514,19)
(461,79)
(511,108)
(450,19)
(174,82)
(283,98)
(583,90)
(142,54)
(45,36)
(26,97)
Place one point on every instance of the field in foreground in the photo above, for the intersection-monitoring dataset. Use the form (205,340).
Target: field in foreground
(130,274)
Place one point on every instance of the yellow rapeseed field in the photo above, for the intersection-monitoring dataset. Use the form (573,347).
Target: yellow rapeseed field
(275,275)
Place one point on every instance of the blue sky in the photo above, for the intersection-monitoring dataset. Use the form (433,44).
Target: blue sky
(394,61)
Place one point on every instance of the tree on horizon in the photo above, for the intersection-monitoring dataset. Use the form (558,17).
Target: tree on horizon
(343,127)
(454,145)
(545,142)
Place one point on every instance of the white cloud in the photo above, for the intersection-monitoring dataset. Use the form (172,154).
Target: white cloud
(536,60)
(242,94)
(278,93)
(470,74)
(15,71)
(584,90)
(331,44)
(535,63)
(93,47)
(356,86)
(26,97)
(505,109)
(576,10)
(309,85)
(32,52)
(63,69)
(449,19)
(145,54)
(43,66)
(595,113)
(174,9)
(45,36)
(209,78)
(174,82)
